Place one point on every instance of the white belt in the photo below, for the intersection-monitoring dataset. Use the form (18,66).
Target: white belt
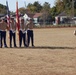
(23,31)
(13,31)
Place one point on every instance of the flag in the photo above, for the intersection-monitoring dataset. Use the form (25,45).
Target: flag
(17,17)
(8,14)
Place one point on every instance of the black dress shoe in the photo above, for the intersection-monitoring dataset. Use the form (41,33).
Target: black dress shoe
(10,46)
(6,46)
(26,45)
(15,46)
(33,46)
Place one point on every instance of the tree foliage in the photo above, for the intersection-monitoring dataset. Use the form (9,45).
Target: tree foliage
(35,7)
(2,9)
(46,11)
(59,6)
(66,5)
(22,10)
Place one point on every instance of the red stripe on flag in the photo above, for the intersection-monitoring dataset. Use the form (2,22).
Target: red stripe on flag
(17,17)
(8,20)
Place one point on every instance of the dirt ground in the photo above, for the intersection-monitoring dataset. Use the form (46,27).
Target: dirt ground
(54,54)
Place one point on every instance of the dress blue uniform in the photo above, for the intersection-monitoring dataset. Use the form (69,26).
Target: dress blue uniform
(0,38)
(30,33)
(12,32)
(3,27)
(22,33)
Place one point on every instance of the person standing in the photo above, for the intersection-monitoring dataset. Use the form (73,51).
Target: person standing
(12,32)
(0,39)
(30,35)
(22,33)
(0,35)
(3,27)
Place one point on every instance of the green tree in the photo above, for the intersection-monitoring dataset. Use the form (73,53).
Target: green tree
(66,5)
(59,6)
(53,12)
(22,10)
(46,11)
(35,7)
(3,9)
(31,8)
(38,6)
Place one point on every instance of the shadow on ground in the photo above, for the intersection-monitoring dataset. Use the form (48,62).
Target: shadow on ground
(45,47)
(51,47)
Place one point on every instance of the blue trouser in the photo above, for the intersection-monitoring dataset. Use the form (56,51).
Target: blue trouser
(12,36)
(22,36)
(0,39)
(4,38)
(30,36)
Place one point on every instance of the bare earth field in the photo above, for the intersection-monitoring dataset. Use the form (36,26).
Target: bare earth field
(54,54)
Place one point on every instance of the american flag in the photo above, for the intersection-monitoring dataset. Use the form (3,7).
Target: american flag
(8,14)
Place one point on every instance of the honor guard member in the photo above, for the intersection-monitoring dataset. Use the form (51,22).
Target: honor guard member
(0,35)
(12,32)
(22,33)
(30,34)
(3,27)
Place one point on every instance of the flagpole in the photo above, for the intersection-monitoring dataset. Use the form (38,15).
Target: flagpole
(8,19)
(17,18)
(8,14)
